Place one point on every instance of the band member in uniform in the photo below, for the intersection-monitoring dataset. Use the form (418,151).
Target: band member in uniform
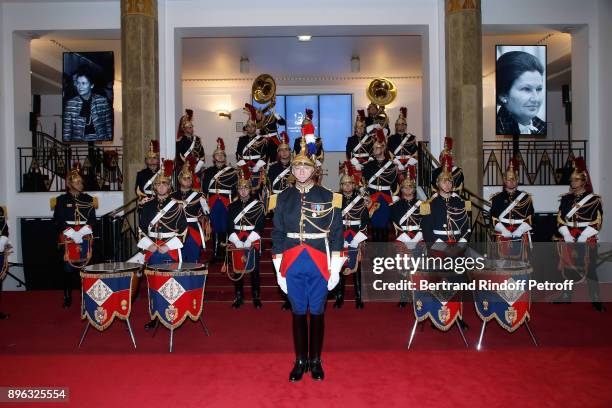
(402,145)
(218,186)
(252,150)
(268,125)
(74,215)
(5,251)
(306,251)
(512,213)
(406,215)
(359,146)
(245,222)
(196,210)
(189,148)
(355,220)
(448,221)
(279,171)
(162,226)
(146,176)
(380,176)
(579,221)
(372,112)
(456,171)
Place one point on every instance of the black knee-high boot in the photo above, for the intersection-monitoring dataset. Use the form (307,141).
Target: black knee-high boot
(300,345)
(255,288)
(316,346)
(68,271)
(357,284)
(239,287)
(340,292)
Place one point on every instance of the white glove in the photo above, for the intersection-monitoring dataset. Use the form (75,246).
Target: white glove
(174,243)
(199,166)
(253,236)
(357,239)
(395,198)
(246,244)
(587,233)
(412,161)
(145,242)
(73,235)
(277,116)
(399,164)
(260,163)
(4,241)
(403,238)
(356,164)
(564,231)
(439,245)
(85,230)
(282,282)
(418,237)
(523,228)
(240,163)
(499,227)
(371,128)
(204,205)
(463,240)
(318,163)
(336,264)
(346,244)
(233,238)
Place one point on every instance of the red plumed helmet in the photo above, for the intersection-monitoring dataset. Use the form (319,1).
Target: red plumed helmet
(168,168)
(448,143)
(404,111)
(581,172)
(412,172)
(308,129)
(309,113)
(251,111)
(220,143)
(361,115)
(285,137)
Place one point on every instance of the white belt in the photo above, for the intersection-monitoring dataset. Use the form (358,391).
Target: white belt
(404,156)
(580,224)
(379,188)
(195,219)
(410,228)
(162,235)
(244,227)
(511,222)
(251,157)
(277,191)
(220,191)
(349,222)
(361,155)
(445,233)
(306,235)
(74,223)
(272,134)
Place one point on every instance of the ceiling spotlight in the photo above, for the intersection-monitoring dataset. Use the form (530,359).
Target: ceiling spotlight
(304,38)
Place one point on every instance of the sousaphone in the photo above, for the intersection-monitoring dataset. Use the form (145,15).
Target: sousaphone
(263,91)
(381,91)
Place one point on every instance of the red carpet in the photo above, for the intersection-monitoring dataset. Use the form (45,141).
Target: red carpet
(247,358)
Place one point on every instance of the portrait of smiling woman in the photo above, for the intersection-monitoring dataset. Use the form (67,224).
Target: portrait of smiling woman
(521,93)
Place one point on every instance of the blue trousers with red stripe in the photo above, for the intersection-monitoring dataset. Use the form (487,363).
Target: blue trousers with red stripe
(306,285)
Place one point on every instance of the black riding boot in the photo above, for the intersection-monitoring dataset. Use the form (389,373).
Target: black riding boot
(255,286)
(238,300)
(357,284)
(316,346)
(68,271)
(340,292)
(221,245)
(286,303)
(300,345)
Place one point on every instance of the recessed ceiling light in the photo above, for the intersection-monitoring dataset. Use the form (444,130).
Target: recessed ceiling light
(304,37)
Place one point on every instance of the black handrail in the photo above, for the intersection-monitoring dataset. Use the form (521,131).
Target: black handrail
(119,232)
(542,162)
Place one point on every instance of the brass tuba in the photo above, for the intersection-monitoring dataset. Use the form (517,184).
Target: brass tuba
(264,92)
(381,91)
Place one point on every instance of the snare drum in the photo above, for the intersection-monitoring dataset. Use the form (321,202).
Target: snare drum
(118,268)
(176,292)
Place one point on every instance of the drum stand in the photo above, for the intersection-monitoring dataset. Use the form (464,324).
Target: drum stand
(482,330)
(416,323)
(206,332)
(127,321)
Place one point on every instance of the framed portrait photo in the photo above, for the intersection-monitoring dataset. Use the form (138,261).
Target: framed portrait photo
(520,90)
(87,96)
